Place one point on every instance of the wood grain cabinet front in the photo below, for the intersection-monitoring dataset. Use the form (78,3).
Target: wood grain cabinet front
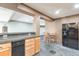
(32,46)
(37,44)
(5,52)
(29,47)
(5,49)
(30,52)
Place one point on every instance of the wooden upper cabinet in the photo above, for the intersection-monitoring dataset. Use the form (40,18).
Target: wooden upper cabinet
(5,49)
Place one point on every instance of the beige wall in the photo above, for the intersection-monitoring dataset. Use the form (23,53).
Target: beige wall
(50,27)
(56,26)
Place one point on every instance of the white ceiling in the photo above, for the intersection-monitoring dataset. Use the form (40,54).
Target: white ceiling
(49,9)
(17,16)
(5,14)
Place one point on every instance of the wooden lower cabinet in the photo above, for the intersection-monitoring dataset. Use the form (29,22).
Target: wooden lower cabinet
(37,44)
(29,47)
(30,52)
(5,49)
(5,53)
(32,46)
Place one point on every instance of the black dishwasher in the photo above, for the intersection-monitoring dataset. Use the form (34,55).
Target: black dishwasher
(18,48)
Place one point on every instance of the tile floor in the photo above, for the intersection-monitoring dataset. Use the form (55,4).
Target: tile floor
(58,50)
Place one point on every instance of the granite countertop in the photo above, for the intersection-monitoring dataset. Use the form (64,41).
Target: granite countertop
(12,39)
(18,33)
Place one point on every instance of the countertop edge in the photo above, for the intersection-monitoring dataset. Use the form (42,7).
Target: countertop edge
(9,41)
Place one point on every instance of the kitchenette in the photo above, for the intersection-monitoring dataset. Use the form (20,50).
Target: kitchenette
(18,36)
(24,31)
(21,45)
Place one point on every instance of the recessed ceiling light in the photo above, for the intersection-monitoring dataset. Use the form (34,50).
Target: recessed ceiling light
(58,11)
(76,6)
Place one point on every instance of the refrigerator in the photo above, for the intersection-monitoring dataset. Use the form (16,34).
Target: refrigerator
(70,35)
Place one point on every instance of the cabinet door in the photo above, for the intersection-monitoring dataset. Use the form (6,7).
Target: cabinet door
(6,53)
(30,47)
(30,52)
(37,44)
(5,49)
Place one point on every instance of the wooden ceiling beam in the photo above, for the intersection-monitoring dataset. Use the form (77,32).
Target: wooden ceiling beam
(67,16)
(37,11)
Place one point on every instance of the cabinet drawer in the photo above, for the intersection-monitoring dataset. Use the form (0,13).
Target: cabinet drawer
(6,45)
(37,38)
(27,41)
(6,52)
(30,52)
(27,48)
(27,44)
(31,40)
(4,49)
(30,48)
